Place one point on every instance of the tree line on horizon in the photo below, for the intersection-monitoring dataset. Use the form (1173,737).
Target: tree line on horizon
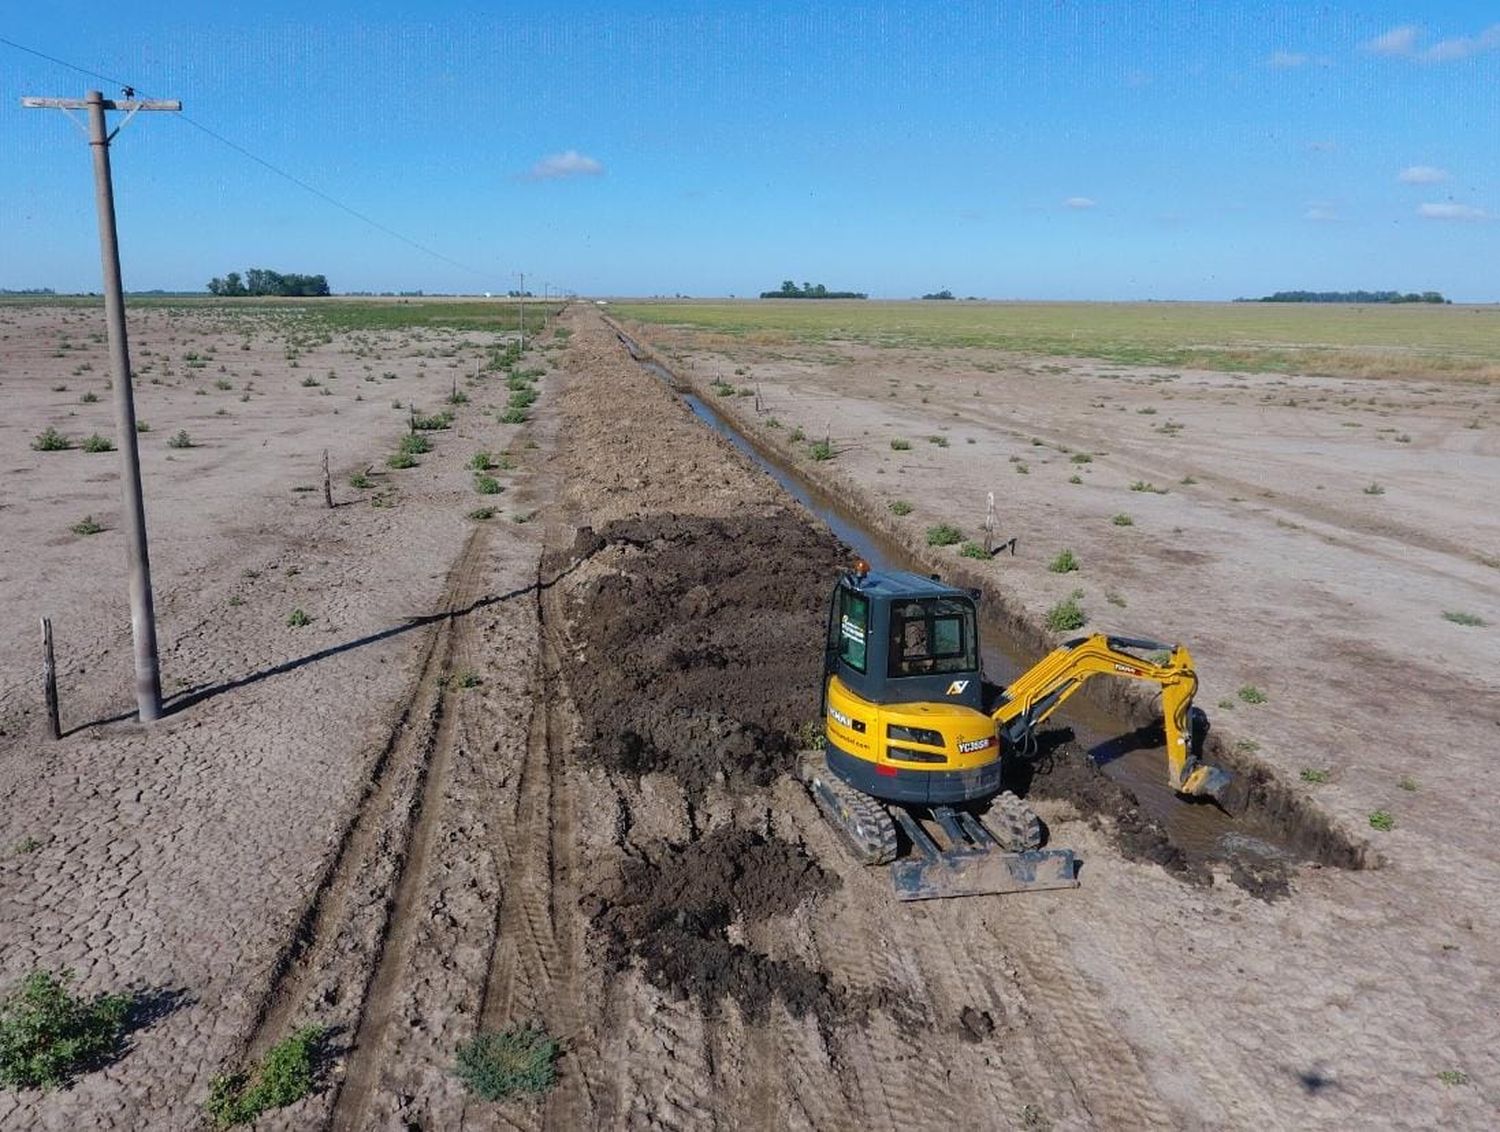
(261,281)
(790,290)
(1350,297)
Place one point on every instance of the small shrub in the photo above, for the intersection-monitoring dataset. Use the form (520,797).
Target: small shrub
(51,440)
(1081,458)
(518,1059)
(1065,563)
(1453,1077)
(899,507)
(415,444)
(400,460)
(796,436)
(899,445)
(1460,618)
(1143,485)
(1246,746)
(48,1035)
(225,386)
(458,397)
(1374,489)
(481,462)
(89,398)
(940,441)
(1382,820)
(86,526)
(1075,479)
(97,443)
(1250,694)
(944,534)
(361,480)
(1123,520)
(1187,481)
(513,416)
(1066,615)
(297,619)
(287,1074)
(1022,469)
(974,550)
(468,678)
(1314,775)
(1114,599)
(487,485)
(436,422)
(772,422)
(310,382)
(479,514)
(1408,784)
(821,450)
(181,439)
(142,426)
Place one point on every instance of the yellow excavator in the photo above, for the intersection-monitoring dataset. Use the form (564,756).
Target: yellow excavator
(915,737)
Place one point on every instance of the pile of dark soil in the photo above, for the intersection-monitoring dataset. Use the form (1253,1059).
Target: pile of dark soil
(701,653)
(673,911)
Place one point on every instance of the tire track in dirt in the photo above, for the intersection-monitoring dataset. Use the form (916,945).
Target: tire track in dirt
(537,954)
(343,921)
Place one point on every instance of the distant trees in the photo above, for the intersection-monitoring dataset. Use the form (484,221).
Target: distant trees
(790,290)
(943,294)
(1350,297)
(261,281)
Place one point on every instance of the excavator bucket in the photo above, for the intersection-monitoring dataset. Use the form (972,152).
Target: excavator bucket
(1228,792)
(975,864)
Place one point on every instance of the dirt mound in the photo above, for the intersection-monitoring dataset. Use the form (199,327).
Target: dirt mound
(674,912)
(697,651)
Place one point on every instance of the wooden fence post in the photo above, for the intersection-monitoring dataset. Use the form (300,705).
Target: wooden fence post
(49,680)
(327,483)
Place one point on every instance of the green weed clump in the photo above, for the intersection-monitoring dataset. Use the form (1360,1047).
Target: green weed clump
(480,514)
(1374,489)
(1250,694)
(1067,614)
(97,443)
(1075,479)
(821,450)
(50,440)
(513,416)
(361,480)
(297,619)
(48,1035)
(415,444)
(481,462)
(181,439)
(421,422)
(1382,820)
(1081,458)
(1314,775)
(487,485)
(1144,485)
(1123,520)
(944,534)
(975,550)
(86,526)
(399,460)
(1461,618)
(517,1059)
(286,1075)
(89,398)
(899,507)
(899,445)
(1065,562)
(940,441)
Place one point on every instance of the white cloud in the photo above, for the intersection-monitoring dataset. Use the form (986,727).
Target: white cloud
(1321,213)
(1080,202)
(1451,211)
(1422,175)
(1402,42)
(1285,60)
(1463,46)
(569,163)
(1397,41)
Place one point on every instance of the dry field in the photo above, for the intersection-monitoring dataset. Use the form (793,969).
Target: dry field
(540,770)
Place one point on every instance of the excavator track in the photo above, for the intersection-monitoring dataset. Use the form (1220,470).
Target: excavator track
(1013,823)
(864,824)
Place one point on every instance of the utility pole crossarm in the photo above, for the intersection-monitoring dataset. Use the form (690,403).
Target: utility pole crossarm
(108,104)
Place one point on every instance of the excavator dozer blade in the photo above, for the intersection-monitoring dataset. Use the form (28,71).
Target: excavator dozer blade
(981,872)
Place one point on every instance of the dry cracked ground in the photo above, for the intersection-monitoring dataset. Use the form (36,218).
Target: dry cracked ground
(536,766)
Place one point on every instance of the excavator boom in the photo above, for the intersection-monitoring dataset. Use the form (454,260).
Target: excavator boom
(1047,685)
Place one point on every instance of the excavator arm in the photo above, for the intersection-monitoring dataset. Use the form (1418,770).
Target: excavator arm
(1036,694)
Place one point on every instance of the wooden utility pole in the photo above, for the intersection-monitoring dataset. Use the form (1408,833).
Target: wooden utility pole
(142,611)
(522,320)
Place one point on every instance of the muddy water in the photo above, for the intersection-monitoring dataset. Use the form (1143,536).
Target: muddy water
(1199,828)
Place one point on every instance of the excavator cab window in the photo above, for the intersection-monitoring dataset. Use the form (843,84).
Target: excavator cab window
(933,636)
(852,626)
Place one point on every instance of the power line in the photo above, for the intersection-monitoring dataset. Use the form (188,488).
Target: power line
(301,184)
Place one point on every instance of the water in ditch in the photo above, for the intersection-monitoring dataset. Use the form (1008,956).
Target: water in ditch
(1197,827)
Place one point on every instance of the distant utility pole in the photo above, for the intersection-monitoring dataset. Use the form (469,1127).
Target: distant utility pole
(142,612)
(522,274)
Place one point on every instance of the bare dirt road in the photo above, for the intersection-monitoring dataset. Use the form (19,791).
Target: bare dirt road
(543,772)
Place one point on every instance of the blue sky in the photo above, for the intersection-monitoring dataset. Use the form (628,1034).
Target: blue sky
(1027,150)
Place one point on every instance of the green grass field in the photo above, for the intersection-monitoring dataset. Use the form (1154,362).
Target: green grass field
(1373,340)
